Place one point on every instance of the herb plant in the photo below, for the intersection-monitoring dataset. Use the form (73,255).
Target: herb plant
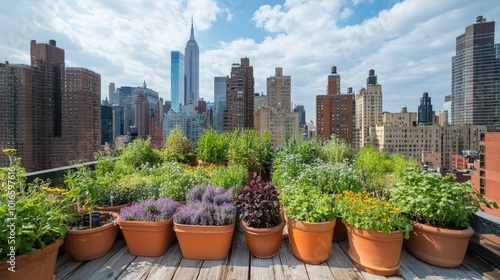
(150,210)
(258,204)
(307,203)
(427,197)
(207,205)
(363,210)
(177,147)
(212,146)
(34,213)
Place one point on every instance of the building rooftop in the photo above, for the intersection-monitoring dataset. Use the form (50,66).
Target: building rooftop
(240,264)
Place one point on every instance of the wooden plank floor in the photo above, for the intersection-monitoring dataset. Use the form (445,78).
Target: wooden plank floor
(240,264)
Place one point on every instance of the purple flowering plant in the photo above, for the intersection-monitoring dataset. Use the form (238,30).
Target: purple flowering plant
(207,205)
(150,210)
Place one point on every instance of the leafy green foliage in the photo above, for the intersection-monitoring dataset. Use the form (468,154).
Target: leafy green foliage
(178,147)
(138,153)
(306,203)
(336,150)
(250,148)
(177,179)
(380,169)
(31,215)
(82,186)
(433,199)
(212,146)
(233,175)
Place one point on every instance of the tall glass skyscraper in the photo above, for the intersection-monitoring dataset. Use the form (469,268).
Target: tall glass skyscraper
(475,77)
(425,113)
(177,80)
(192,70)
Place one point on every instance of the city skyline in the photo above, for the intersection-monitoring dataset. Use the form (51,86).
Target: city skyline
(409,45)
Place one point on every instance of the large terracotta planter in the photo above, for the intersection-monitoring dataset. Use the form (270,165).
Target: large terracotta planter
(439,246)
(35,265)
(263,242)
(204,242)
(374,251)
(310,242)
(148,239)
(340,231)
(89,244)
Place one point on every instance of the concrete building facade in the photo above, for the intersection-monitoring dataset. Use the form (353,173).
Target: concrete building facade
(368,109)
(239,112)
(335,111)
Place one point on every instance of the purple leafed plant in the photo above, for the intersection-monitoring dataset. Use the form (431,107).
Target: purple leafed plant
(258,204)
(207,205)
(151,210)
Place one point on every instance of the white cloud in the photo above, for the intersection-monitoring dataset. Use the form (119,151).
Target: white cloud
(410,45)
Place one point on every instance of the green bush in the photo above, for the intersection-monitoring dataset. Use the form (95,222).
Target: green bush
(212,146)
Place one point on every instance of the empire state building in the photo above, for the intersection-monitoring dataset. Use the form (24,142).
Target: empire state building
(192,70)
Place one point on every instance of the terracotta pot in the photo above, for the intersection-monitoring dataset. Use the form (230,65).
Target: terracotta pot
(263,242)
(115,209)
(310,242)
(339,232)
(439,246)
(39,264)
(204,242)
(148,239)
(374,251)
(89,244)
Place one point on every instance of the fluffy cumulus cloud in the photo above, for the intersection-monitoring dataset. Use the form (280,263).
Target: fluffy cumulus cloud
(408,43)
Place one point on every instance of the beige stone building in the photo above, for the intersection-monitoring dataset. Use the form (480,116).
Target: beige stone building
(429,145)
(403,118)
(276,116)
(368,109)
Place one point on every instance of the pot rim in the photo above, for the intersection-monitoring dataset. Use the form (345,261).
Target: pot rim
(464,233)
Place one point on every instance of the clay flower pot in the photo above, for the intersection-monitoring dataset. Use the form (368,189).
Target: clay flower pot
(340,231)
(439,246)
(35,265)
(310,242)
(263,242)
(148,239)
(374,251)
(204,242)
(89,244)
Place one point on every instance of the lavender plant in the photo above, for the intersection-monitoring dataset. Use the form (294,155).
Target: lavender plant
(207,205)
(150,210)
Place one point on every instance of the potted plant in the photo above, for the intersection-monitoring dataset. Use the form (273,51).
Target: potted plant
(212,147)
(310,218)
(147,226)
(177,147)
(176,179)
(204,226)
(34,218)
(93,233)
(261,219)
(233,175)
(251,149)
(440,209)
(375,231)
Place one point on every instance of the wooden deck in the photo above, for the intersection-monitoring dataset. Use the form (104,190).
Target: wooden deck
(240,264)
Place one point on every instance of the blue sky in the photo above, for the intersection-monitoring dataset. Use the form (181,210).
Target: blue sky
(409,43)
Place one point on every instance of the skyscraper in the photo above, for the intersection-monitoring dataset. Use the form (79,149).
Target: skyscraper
(368,109)
(192,70)
(302,114)
(335,111)
(239,97)
(425,113)
(51,114)
(475,76)
(219,101)
(177,80)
